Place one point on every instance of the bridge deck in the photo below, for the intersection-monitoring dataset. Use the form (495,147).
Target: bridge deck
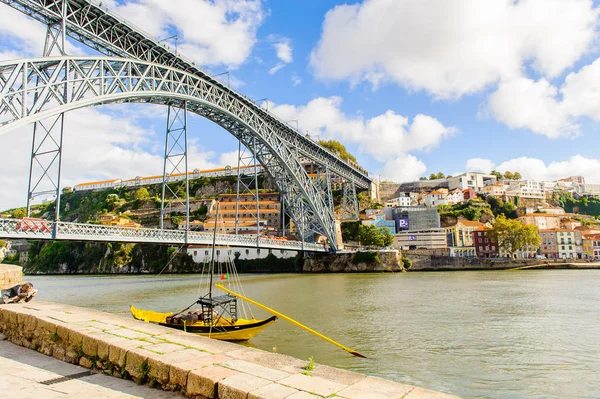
(64,231)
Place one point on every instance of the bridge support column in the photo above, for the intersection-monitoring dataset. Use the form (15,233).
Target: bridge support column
(247,185)
(175,166)
(47,141)
(349,202)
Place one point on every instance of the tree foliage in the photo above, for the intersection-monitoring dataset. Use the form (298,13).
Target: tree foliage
(19,213)
(337,148)
(142,194)
(373,236)
(512,236)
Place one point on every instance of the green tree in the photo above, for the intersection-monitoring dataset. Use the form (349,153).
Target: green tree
(19,213)
(142,194)
(497,174)
(518,176)
(337,148)
(2,243)
(440,175)
(373,236)
(422,178)
(509,175)
(512,236)
(433,176)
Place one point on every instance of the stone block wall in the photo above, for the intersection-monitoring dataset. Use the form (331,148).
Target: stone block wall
(196,367)
(10,275)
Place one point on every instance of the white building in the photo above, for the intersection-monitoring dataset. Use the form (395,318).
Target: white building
(203,254)
(524,189)
(455,196)
(474,180)
(435,198)
(97,185)
(404,200)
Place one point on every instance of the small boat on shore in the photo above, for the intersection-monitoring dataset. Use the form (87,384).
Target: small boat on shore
(216,316)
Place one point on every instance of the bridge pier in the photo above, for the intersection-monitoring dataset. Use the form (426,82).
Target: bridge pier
(47,140)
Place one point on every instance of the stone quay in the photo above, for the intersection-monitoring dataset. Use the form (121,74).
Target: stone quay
(193,366)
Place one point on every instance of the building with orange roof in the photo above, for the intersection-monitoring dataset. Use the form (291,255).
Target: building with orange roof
(548,246)
(461,233)
(485,245)
(97,185)
(591,246)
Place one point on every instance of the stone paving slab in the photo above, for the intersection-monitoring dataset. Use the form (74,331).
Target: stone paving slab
(23,370)
(149,354)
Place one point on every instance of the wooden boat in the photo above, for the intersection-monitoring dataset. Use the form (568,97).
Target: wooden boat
(216,316)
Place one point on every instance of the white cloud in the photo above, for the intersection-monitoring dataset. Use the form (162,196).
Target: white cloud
(523,103)
(543,108)
(536,169)
(404,168)
(479,165)
(283,48)
(388,137)
(452,47)
(24,36)
(296,80)
(276,68)
(219,32)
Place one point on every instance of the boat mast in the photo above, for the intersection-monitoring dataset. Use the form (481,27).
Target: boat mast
(212,263)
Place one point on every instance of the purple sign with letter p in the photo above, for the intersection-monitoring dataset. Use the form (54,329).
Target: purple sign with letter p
(403,224)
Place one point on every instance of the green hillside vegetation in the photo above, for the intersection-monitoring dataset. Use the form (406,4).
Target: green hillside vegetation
(586,206)
(476,207)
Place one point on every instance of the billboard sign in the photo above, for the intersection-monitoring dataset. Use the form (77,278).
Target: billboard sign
(402,224)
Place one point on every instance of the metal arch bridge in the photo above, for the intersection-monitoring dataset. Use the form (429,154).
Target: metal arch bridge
(31,90)
(23,229)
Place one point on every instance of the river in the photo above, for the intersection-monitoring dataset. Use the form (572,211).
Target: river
(493,334)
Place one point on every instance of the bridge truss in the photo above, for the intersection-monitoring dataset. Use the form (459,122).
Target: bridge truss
(33,230)
(152,72)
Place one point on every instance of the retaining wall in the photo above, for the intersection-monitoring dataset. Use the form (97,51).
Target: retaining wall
(197,367)
(10,275)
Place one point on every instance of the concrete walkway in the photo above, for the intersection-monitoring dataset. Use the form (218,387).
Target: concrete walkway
(28,374)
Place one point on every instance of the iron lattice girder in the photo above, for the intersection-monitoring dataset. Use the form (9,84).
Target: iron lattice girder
(93,81)
(110,34)
(35,230)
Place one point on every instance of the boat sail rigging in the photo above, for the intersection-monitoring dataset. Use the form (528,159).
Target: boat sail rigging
(217,316)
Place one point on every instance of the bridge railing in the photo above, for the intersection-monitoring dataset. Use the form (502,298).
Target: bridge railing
(39,229)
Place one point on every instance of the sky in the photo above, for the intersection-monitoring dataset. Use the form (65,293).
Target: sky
(411,88)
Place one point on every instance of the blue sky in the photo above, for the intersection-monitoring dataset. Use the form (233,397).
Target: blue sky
(409,87)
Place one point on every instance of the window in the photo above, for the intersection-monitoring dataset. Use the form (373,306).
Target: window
(218,252)
(195,253)
(247,252)
(258,251)
(205,252)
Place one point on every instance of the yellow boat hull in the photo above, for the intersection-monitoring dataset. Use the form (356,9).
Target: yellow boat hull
(225,329)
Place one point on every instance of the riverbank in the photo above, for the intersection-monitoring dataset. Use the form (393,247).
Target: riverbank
(194,366)
(427,261)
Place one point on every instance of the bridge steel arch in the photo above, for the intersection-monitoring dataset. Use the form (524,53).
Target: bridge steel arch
(68,83)
(92,24)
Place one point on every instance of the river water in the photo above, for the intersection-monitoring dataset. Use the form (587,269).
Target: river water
(493,334)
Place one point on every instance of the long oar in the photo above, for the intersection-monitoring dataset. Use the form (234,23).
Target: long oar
(294,322)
